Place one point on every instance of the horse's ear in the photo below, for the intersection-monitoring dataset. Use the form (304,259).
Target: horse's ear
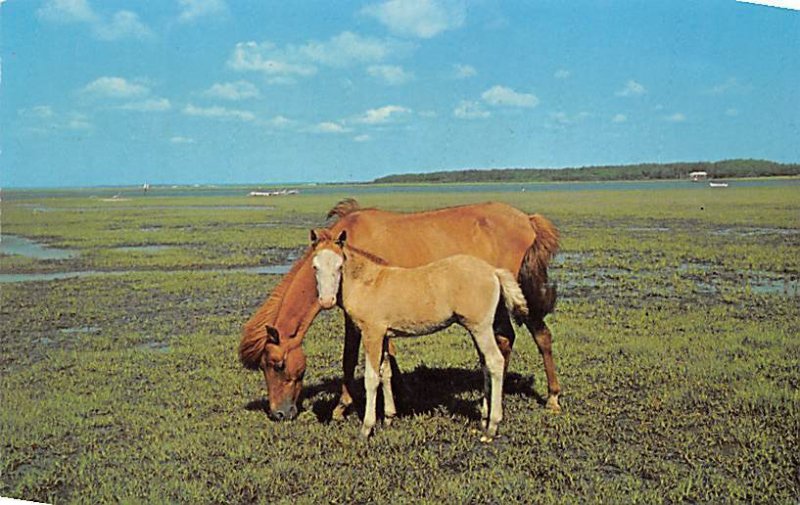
(272,335)
(342,238)
(313,236)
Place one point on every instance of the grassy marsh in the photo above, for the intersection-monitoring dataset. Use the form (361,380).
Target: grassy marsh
(676,341)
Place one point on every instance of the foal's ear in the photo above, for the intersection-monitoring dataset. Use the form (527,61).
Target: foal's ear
(272,335)
(342,238)
(313,236)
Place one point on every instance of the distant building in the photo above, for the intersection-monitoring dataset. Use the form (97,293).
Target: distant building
(698,176)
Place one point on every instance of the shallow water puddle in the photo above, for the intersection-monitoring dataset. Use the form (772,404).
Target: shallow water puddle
(12,244)
(38,277)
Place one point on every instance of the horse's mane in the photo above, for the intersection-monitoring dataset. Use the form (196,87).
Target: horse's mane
(372,257)
(254,335)
(343,208)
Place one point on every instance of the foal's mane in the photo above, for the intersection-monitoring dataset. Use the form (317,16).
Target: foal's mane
(254,334)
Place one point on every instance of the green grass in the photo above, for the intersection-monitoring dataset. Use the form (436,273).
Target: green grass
(676,341)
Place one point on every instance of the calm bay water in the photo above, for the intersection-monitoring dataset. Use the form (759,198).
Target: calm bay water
(357,189)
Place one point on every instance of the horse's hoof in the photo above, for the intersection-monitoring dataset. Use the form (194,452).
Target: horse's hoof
(365,432)
(486,439)
(339,412)
(387,421)
(552,405)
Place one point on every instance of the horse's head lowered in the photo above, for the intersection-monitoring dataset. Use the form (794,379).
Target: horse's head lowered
(327,260)
(284,365)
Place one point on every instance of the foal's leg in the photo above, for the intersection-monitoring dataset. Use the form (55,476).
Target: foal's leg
(484,340)
(373,352)
(543,338)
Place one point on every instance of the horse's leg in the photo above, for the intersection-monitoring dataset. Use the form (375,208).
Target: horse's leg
(389,410)
(373,353)
(543,338)
(352,341)
(494,362)
(503,332)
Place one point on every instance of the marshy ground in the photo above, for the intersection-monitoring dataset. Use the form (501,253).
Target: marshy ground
(677,342)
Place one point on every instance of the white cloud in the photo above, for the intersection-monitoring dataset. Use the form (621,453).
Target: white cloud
(239,90)
(631,88)
(194,9)
(731,84)
(562,73)
(678,117)
(36,112)
(181,140)
(42,118)
(362,138)
(470,110)
(619,118)
(382,114)
(347,48)
(67,11)
(149,105)
(328,127)
(564,119)
(501,95)
(279,122)
(418,18)
(124,24)
(218,113)
(115,87)
(281,64)
(79,122)
(464,71)
(390,74)
(121,25)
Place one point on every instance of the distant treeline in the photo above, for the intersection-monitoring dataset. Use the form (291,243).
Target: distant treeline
(716,170)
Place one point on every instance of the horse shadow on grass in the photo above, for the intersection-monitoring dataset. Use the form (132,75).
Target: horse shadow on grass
(424,390)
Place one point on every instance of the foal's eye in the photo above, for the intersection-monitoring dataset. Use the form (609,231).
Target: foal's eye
(279,366)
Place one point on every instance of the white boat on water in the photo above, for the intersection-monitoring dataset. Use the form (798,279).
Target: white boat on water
(279,192)
(718,184)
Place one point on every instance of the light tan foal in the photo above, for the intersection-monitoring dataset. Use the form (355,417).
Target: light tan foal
(386,302)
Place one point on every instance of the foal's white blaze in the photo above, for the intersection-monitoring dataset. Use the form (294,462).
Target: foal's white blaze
(328,271)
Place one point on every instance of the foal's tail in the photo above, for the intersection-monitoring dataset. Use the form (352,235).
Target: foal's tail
(512,295)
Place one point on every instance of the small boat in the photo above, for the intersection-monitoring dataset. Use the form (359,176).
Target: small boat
(274,193)
(718,184)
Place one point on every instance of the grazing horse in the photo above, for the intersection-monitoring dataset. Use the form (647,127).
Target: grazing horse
(385,301)
(497,233)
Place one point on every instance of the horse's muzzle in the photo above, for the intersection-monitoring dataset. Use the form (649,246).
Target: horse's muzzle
(284,413)
(327,303)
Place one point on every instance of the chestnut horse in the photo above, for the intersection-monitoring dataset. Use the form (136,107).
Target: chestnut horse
(385,301)
(497,233)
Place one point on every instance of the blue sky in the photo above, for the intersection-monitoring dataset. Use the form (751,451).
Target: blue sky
(221,91)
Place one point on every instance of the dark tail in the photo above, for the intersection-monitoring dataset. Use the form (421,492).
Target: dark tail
(540,294)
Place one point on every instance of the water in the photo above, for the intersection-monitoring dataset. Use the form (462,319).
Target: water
(357,189)
(38,277)
(11,244)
